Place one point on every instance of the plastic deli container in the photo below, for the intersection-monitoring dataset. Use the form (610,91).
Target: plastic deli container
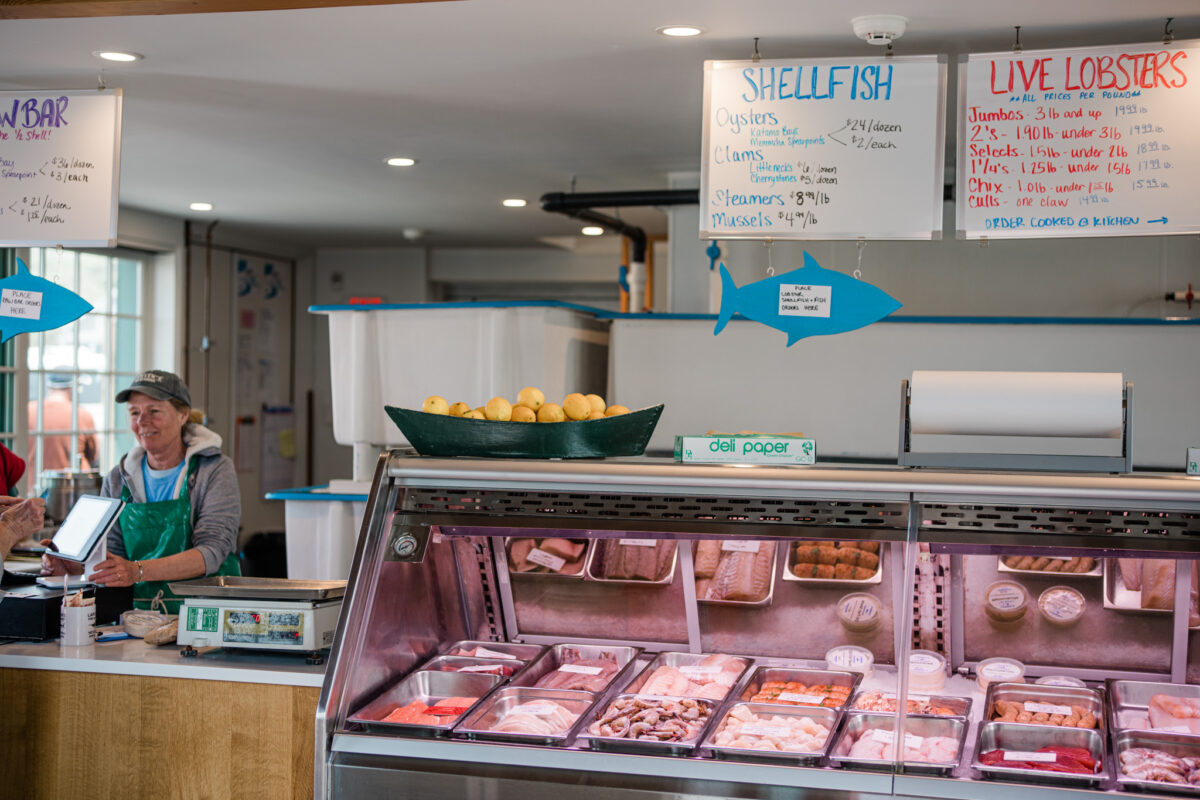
(999,670)
(926,672)
(859,612)
(1062,605)
(1005,601)
(1060,680)
(851,658)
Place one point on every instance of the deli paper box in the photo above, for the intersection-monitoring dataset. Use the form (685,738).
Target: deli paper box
(1193,461)
(744,449)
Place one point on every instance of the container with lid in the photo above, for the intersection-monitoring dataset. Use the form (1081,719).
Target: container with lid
(1005,601)
(926,671)
(1062,605)
(852,658)
(1060,680)
(859,612)
(999,670)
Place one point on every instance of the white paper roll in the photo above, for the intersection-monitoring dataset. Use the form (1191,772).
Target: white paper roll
(1080,404)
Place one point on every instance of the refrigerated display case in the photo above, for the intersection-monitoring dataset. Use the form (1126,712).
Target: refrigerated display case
(516,628)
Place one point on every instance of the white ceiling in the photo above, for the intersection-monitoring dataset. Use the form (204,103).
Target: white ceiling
(282,119)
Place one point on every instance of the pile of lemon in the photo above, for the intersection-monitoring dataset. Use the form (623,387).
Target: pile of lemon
(531,406)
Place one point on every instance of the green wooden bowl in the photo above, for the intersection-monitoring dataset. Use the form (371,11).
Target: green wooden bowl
(443,435)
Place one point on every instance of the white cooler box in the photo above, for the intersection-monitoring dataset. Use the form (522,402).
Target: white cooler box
(322,525)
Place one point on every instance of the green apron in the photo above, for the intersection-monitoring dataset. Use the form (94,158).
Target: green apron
(157,530)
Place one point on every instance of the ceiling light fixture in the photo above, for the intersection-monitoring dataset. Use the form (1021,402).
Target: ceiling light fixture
(401,161)
(117,55)
(201,206)
(592,230)
(680,30)
(513,202)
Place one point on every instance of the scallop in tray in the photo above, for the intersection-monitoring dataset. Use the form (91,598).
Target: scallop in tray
(1063,566)
(1170,708)
(426,703)
(650,725)
(734,572)
(1040,754)
(773,733)
(530,716)
(831,563)
(1152,761)
(707,675)
(648,562)
(801,687)
(868,741)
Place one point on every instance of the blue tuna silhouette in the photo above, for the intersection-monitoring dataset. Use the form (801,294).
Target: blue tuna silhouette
(849,302)
(29,304)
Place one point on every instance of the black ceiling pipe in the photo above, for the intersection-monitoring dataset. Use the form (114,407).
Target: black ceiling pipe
(581,205)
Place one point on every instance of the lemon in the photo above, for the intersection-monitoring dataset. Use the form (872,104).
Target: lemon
(550,412)
(531,397)
(523,414)
(596,402)
(596,414)
(576,406)
(474,413)
(482,411)
(459,409)
(613,411)
(498,409)
(435,405)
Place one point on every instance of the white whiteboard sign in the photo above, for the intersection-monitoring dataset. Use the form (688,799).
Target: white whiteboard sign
(823,149)
(60,156)
(1089,141)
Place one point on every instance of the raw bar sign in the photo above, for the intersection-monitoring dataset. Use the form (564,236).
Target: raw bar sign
(1094,141)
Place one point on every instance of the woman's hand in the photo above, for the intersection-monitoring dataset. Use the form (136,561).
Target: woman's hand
(115,571)
(53,565)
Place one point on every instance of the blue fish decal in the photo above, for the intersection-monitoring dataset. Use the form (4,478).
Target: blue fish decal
(809,301)
(29,304)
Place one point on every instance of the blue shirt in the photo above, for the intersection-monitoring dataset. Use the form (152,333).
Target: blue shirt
(160,483)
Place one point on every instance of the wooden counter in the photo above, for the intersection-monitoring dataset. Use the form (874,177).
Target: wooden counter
(129,721)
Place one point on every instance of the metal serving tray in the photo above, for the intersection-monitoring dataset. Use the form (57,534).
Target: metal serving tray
(957,706)
(577,575)
(558,655)
(646,746)
(596,555)
(234,586)
(1096,571)
(479,724)
(790,561)
(808,677)
(1118,598)
(1129,703)
(519,652)
(1170,743)
(483,666)
(683,662)
(862,723)
(1092,700)
(766,601)
(429,688)
(1011,736)
(829,717)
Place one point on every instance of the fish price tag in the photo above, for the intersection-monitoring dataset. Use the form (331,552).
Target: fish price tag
(1048,708)
(580,670)
(699,672)
(540,708)
(483,652)
(1175,729)
(20,304)
(544,559)
(774,731)
(639,542)
(1025,755)
(888,737)
(802,699)
(738,546)
(799,300)
(494,669)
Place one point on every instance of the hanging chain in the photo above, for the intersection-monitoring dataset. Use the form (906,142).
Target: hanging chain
(862,245)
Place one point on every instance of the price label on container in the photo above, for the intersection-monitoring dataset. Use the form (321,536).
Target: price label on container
(1026,755)
(639,542)
(739,546)
(483,652)
(802,699)
(544,559)
(1047,708)
(580,670)
(774,731)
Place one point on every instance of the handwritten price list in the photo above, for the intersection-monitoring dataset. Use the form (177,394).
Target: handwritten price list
(1081,142)
(58,167)
(821,149)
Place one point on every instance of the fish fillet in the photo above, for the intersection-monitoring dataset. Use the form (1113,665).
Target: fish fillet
(708,557)
(1158,583)
(743,576)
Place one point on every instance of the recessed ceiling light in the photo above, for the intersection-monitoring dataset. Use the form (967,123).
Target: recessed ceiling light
(201,206)
(592,230)
(513,202)
(117,55)
(401,161)
(680,30)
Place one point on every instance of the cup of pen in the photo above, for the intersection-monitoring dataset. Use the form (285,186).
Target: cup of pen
(77,622)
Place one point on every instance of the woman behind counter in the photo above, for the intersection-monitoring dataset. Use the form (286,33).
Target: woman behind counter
(182,503)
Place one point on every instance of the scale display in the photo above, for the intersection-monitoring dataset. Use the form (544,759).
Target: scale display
(262,627)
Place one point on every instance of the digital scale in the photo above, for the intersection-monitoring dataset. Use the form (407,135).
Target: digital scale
(258,614)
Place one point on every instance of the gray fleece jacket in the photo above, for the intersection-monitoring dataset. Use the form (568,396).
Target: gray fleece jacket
(215,497)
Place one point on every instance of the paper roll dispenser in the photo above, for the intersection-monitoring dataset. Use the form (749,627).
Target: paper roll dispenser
(1018,408)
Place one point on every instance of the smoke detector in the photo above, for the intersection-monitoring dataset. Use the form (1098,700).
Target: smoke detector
(879,29)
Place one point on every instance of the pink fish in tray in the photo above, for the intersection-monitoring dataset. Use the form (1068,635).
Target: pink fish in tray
(711,679)
(1181,714)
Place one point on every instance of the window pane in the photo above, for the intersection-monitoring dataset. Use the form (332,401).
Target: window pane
(59,267)
(124,443)
(33,352)
(125,353)
(93,281)
(93,342)
(126,286)
(59,352)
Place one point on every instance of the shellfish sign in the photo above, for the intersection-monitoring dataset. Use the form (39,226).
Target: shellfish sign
(823,148)
(59,168)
